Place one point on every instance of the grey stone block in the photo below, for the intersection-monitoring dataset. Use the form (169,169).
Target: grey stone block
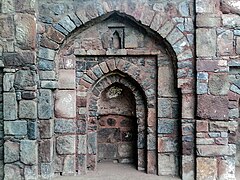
(46,65)
(12,172)
(47,75)
(66,144)
(65,126)
(31,173)
(46,170)
(32,130)
(25,79)
(45,104)
(29,152)
(82,144)
(67,24)
(166,126)
(16,128)
(46,53)
(27,109)
(208,38)
(11,152)
(49,84)
(10,106)
(8,81)
(92,143)
(69,165)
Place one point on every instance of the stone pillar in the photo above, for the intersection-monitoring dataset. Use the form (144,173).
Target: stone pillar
(19,97)
(215,125)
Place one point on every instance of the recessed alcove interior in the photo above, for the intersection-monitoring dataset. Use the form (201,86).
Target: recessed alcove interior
(117,125)
(137,72)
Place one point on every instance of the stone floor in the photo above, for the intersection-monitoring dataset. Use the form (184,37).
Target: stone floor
(110,171)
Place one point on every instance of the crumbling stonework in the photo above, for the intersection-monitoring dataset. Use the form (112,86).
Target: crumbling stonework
(88,81)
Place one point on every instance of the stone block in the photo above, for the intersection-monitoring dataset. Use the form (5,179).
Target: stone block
(164,107)
(216,150)
(219,126)
(29,152)
(49,84)
(65,104)
(20,58)
(166,126)
(8,81)
(7,30)
(225,42)
(45,104)
(47,54)
(69,165)
(11,152)
(166,29)
(207,37)
(235,89)
(167,145)
(25,31)
(188,167)
(25,6)
(46,150)
(167,164)
(75,19)
(66,144)
(208,20)
(206,6)
(28,95)
(12,171)
(67,24)
(25,79)
(1,169)
(16,128)
(46,128)
(7,6)
(82,144)
(202,125)
(230,20)
(218,84)
(226,168)
(166,82)
(31,173)
(10,106)
(92,143)
(188,103)
(47,75)
(32,130)
(47,170)
(238,45)
(46,65)
(55,35)
(82,164)
(67,79)
(233,113)
(47,43)
(65,126)
(206,168)
(202,88)
(213,107)
(27,109)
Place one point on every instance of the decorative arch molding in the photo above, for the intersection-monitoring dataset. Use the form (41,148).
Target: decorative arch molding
(141,13)
(176,44)
(117,77)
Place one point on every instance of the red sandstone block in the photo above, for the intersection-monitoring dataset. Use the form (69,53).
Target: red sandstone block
(91,75)
(202,125)
(45,42)
(104,67)
(212,107)
(151,162)
(111,64)
(55,35)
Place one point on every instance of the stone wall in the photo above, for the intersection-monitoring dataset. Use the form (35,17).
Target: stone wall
(56,57)
(217,50)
